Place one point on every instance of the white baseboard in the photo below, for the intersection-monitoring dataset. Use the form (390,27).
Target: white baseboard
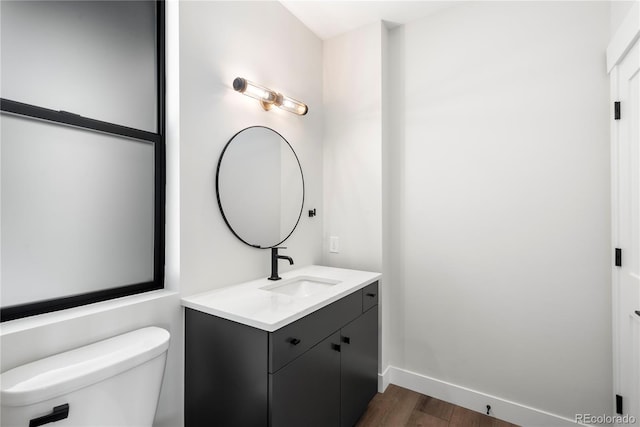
(383,380)
(471,399)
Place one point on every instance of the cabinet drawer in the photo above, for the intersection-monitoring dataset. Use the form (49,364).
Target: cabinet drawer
(369,296)
(292,340)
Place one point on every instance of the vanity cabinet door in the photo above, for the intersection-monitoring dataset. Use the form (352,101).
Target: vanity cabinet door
(306,392)
(225,372)
(359,379)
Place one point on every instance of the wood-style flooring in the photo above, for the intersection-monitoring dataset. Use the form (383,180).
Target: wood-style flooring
(398,407)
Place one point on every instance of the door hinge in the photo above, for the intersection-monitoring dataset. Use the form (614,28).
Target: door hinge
(618,404)
(616,110)
(618,259)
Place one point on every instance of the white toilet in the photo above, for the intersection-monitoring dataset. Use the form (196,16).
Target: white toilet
(115,382)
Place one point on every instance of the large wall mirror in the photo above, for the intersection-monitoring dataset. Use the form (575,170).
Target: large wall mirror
(260,187)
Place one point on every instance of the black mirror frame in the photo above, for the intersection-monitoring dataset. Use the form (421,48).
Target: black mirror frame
(226,221)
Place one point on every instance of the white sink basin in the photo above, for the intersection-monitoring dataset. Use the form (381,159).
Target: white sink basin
(302,286)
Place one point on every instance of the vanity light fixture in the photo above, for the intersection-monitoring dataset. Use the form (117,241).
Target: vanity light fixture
(268,97)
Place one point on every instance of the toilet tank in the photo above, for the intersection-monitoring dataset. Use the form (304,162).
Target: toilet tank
(115,382)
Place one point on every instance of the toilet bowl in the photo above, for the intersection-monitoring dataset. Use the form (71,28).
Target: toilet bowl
(115,382)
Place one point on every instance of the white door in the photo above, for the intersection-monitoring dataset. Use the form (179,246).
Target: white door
(626,236)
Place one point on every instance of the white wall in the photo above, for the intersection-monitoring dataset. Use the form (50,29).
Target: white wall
(353,149)
(618,11)
(480,189)
(501,150)
(264,43)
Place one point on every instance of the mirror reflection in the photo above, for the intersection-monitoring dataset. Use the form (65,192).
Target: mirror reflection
(260,187)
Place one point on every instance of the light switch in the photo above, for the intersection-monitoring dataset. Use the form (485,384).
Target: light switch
(334,244)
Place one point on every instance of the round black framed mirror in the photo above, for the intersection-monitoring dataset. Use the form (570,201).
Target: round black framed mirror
(260,187)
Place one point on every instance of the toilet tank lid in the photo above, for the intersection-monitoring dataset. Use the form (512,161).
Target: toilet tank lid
(65,372)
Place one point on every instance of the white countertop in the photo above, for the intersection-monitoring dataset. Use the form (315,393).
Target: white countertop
(248,304)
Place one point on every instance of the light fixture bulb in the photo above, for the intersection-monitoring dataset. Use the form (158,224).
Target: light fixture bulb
(268,98)
(291,105)
(261,93)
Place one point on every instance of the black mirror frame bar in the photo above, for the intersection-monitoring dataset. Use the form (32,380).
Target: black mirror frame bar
(158,141)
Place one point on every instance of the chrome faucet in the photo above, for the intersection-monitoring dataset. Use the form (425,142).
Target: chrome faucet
(274,262)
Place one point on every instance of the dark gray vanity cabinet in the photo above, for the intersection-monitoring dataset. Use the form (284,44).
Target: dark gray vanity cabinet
(320,370)
(359,358)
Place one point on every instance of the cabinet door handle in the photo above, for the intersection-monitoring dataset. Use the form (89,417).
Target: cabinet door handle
(294,341)
(335,347)
(59,413)
(346,340)
(371,295)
